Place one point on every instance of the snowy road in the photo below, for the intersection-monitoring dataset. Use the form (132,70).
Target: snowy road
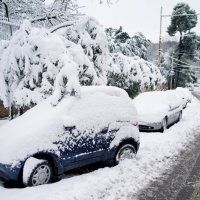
(157,155)
(181,182)
(196,94)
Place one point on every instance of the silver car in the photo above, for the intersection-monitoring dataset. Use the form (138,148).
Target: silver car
(158,110)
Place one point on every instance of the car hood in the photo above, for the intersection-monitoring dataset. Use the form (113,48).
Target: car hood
(151,113)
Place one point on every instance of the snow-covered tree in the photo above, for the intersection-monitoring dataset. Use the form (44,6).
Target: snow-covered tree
(39,12)
(182,21)
(128,66)
(34,60)
(37,63)
(25,8)
(133,74)
(90,36)
(120,41)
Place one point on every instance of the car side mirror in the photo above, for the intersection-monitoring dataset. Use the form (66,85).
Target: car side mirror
(69,128)
(69,123)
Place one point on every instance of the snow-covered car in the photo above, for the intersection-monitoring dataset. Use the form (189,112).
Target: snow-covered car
(157,110)
(179,94)
(194,87)
(48,140)
(185,94)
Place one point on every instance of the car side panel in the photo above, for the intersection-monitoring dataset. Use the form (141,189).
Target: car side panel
(173,115)
(89,150)
(7,172)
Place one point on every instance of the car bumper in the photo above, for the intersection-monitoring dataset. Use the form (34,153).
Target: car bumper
(8,173)
(4,176)
(150,126)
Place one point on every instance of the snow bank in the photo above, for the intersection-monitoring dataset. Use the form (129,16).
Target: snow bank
(156,155)
(3,121)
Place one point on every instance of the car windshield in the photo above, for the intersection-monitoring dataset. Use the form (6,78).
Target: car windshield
(151,98)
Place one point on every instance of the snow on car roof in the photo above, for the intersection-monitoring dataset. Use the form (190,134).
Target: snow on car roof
(168,97)
(186,93)
(150,106)
(108,90)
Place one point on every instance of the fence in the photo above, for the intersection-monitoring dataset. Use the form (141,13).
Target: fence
(8,27)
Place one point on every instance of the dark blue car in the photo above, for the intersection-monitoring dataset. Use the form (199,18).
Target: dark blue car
(48,140)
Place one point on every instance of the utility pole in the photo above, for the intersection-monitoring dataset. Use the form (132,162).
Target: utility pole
(160,39)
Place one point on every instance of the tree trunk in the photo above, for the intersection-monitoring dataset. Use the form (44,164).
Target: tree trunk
(180,54)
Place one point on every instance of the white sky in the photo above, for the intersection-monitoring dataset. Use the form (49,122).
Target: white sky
(136,15)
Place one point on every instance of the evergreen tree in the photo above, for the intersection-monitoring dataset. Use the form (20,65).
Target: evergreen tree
(120,41)
(182,21)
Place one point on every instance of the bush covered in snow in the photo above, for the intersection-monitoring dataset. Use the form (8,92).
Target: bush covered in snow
(89,34)
(133,74)
(128,67)
(32,62)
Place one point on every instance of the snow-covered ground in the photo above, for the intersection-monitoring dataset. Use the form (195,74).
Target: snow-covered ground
(155,156)
(3,121)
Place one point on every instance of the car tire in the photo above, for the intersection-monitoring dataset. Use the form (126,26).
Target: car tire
(164,125)
(125,151)
(40,174)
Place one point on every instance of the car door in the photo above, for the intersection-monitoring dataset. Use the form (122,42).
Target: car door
(173,115)
(90,145)
(85,146)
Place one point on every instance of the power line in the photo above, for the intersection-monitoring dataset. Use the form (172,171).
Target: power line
(179,15)
(191,66)
(177,60)
(181,72)
(185,64)
(181,68)
(190,54)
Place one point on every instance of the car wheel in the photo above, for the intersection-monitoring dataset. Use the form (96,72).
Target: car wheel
(36,172)
(126,151)
(164,125)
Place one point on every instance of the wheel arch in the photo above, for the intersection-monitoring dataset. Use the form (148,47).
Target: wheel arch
(51,158)
(131,141)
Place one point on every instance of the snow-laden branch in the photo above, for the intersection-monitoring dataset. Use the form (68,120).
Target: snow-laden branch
(43,18)
(66,82)
(62,25)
